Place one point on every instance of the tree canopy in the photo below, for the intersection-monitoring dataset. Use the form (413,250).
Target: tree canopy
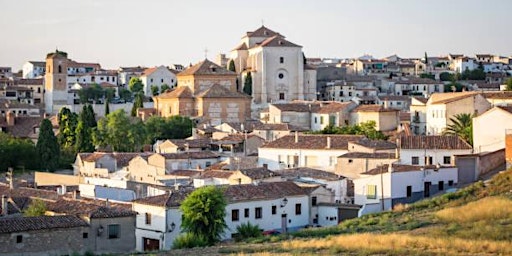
(135,85)
(367,129)
(461,125)
(119,132)
(203,213)
(15,152)
(47,147)
(138,103)
(36,208)
(67,125)
(231,66)
(174,127)
(164,88)
(509,84)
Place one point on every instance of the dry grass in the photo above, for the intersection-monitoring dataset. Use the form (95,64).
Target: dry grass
(490,208)
(400,207)
(400,243)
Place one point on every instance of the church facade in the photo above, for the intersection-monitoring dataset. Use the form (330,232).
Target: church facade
(276,66)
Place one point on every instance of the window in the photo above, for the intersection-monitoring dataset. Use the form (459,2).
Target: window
(257,213)
(85,235)
(341,93)
(371,192)
(321,120)
(281,59)
(447,160)
(162,80)
(298,209)
(281,95)
(450,183)
(151,79)
(350,94)
(440,185)
(415,160)
(313,201)
(113,231)
(246,212)
(409,191)
(60,69)
(148,218)
(274,209)
(281,75)
(234,215)
(19,239)
(350,161)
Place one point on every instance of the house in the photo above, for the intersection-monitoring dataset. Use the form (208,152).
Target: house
(147,168)
(314,151)
(417,86)
(502,98)
(331,114)
(271,132)
(295,113)
(125,74)
(431,149)
(35,87)
(238,144)
(385,118)
(205,91)
(441,107)
(395,101)
(180,145)
(237,177)
(190,160)
(489,129)
(156,77)
(44,235)
(418,112)
(33,69)
(100,164)
(384,187)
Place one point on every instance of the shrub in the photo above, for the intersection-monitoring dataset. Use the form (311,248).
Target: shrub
(189,240)
(247,230)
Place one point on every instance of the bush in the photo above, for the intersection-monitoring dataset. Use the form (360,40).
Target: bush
(247,230)
(188,240)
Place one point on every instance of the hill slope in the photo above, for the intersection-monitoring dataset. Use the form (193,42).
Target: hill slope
(473,220)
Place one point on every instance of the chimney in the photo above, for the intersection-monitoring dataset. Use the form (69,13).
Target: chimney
(386,104)
(265,166)
(76,194)
(5,205)
(296,137)
(9,118)
(328,142)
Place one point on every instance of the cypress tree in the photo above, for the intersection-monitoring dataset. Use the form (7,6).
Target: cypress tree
(248,84)
(47,147)
(138,103)
(231,66)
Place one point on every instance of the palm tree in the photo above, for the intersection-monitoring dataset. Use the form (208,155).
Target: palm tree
(462,126)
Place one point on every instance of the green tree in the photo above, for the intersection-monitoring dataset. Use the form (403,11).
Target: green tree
(509,85)
(36,208)
(426,58)
(47,147)
(231,66)
(17,153)
(367,129)
(138,103)
(88,116)
(154,90)
(164,88)
(94,92)
(83,138)
(428,75)
(107,106)
(125,94)
(135,85)
(248,84)
(461,125)
(109,94)
(174,127)
(67,126)
(119,132)
(203,213)
(445,76)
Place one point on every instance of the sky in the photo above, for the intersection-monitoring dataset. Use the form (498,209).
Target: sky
(118,33)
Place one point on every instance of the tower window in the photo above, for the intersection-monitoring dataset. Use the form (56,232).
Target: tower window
(281,75)
(281,95)
(281,59)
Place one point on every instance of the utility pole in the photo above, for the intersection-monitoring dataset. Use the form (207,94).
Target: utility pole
(382,186)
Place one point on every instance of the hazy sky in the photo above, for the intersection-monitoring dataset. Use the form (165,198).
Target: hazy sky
(154,32)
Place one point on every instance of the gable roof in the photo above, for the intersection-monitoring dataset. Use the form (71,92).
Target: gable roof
(190,155)
(313,141)
(332,107)
(172,199)
(23,224)
(257,173)
(262,191)
(206,67)
(374,108)
(277,41)
(262,32)
(219,91)
(149,71)
(433,142)
(375,144)
(307,172)
(297,106)
(278,127)
(448,97)
(216,174)
(90,208)
(400,168)
(179,92)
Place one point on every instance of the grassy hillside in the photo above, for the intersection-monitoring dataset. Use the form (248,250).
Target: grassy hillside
(473,220)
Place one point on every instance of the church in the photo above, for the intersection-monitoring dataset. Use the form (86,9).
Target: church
(276,66)
(206,92)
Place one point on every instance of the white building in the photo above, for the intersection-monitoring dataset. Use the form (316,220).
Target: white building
(489,129)
(314,151)
(432,149)
(384,187)
(34,69)
(157,76)
(125,74)
(276,66)
(418,111)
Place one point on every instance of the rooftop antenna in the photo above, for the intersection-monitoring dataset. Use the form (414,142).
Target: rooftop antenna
(206,53)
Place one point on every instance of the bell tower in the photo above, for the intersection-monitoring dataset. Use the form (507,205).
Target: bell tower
(56,80)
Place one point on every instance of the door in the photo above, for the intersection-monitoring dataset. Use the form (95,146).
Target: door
(426,189)
(151,244)
(283,223)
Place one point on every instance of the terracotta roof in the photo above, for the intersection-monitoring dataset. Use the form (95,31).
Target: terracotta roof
(332,107)
(206,67)
(368,155)
(433,142)
(374,108)
(506,108)
(219,91)
(91,209)
(257,173)
(395,98)
(122,158)
(262,191)
(405,116)
(187,173)
(262,32)
(149,71)
(179,92)
(33,81)
(498,95)
(421,99)
(23,224)
(415,80)
(277,41)
(195,143)
(167,200)
(216,174)
(24,127)
(241,47)
(400,168)
(375,144)
(448,97)
(307,172)
(313,141)
(190,155)
(278,127)
(297,106)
